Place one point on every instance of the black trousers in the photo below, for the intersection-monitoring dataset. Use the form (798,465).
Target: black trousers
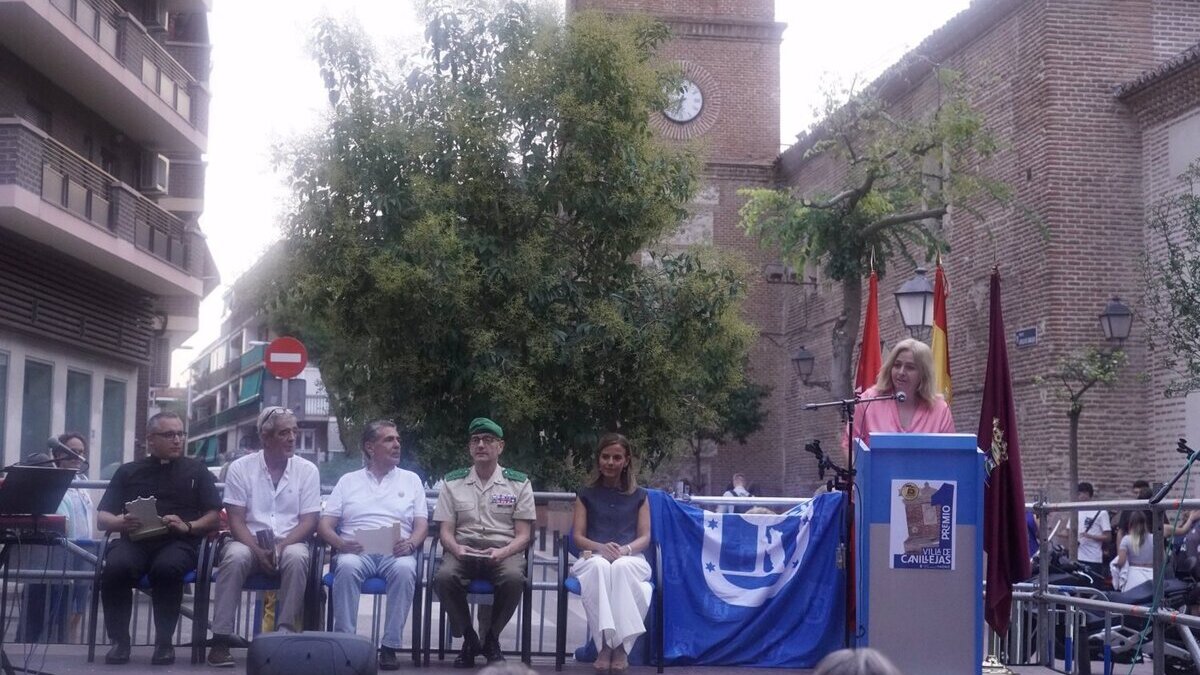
(166,560)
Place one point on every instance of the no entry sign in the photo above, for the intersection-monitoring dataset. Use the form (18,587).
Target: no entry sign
(285,357)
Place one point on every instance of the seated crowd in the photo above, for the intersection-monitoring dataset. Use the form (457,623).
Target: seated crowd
(274,512)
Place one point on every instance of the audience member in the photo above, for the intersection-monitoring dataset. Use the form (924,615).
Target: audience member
(612,528)
(486,516)
(380,495)
(1094,529)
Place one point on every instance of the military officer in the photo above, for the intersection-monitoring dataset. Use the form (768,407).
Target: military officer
(486,515)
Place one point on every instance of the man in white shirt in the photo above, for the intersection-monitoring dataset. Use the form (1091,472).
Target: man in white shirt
(380,495)
(271,490)
(737,488)
(1094,530)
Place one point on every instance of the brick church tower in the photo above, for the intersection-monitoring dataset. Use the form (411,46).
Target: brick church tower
(729,53)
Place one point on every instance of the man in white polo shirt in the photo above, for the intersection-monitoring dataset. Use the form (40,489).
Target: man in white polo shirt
(270,490)
(381,495)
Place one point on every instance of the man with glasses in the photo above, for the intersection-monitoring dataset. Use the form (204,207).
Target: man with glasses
(188,503)
(275,492)
(486,515)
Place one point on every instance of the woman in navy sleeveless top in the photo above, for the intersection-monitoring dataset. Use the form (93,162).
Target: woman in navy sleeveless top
(612,529)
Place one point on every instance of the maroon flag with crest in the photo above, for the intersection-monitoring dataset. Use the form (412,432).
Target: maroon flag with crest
(1004,533)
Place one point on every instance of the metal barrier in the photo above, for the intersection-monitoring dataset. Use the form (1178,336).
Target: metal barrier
(1040,608)
(543,548)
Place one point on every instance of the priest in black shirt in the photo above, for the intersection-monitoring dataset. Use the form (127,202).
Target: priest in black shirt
(188,504)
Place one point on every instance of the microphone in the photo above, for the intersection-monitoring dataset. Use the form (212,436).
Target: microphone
(900,396)
(56,445)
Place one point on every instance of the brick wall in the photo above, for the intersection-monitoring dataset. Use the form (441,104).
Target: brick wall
(1044,75)
(718,9)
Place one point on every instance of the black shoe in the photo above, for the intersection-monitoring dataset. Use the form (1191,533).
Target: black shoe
(491,651)
(387,659)
(164,655)
(466,656)
(118,654)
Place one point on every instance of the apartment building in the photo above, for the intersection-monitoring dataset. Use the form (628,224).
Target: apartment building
(229,386)
(103,122)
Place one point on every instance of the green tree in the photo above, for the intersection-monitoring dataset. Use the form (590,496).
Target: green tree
(1172,284)
(1077,373)
(738,414)
(901,177)
(474,234)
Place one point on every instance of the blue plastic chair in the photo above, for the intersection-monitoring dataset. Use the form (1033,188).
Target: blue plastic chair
(569,584)
(377,587)
(477,587)
(143,585)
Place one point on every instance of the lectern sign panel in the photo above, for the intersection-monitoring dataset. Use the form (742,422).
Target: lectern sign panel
(923,522)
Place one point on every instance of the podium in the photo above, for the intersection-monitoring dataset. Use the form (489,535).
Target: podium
(920,551)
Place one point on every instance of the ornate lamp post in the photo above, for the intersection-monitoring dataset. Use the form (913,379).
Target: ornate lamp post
(915,300)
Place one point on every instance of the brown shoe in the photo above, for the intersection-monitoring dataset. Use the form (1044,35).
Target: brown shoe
(219,657)
(620,662)
(603,660)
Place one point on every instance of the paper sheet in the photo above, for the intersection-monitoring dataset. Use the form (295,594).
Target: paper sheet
(378,541)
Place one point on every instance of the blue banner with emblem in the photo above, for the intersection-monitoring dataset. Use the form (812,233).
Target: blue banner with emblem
(748,589)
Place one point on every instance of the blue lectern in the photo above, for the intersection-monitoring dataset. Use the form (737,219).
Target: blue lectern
(920,551)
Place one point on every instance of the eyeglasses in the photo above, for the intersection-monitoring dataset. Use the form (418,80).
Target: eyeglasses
(485,439)
(172,435)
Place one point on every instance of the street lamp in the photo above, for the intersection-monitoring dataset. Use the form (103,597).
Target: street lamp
(1116,321)
(915,300)
(803,361)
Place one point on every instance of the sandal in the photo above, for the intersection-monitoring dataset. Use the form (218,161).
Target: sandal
(620,662)
(603,661)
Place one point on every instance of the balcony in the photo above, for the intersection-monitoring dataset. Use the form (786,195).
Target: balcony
(251,358)
(316,405)
(238,413)
(54,196)
(104,57)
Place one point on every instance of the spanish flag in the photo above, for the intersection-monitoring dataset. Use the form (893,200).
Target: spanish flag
(939,343)
(870,359)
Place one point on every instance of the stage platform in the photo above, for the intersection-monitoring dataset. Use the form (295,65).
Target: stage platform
(72,660)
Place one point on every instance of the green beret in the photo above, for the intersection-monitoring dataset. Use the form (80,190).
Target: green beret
(484,424)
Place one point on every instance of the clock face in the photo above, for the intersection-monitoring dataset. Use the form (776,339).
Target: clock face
(685,103)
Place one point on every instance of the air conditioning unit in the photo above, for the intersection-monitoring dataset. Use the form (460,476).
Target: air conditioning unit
(155,14)
(156,174)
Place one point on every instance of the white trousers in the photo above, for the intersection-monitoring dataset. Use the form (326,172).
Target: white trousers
(615,598)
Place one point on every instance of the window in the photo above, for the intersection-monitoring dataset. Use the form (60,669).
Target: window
(112,428)
(79,403)
(36,403)
(3,397)
(306,441)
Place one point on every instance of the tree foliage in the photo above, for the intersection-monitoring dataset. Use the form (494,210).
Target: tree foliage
(902,176)
(471,236)
(1172,284)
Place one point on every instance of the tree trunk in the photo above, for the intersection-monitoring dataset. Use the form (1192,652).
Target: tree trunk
(697,447)
(845,338)
(1073,470)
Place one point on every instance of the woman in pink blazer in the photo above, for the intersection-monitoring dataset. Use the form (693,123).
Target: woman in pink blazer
(908,368)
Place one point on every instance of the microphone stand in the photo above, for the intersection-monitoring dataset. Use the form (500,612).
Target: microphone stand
(846,549)
(1192,455)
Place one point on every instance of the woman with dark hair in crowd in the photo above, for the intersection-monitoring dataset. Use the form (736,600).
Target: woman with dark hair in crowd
(611,529)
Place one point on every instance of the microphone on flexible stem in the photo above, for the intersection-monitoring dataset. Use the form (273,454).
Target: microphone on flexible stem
(56,445)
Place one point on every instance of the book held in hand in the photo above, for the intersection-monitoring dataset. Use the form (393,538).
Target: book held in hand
(145,509)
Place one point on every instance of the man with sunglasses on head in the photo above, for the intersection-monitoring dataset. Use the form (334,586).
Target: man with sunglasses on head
(188,503)
(486,515)
(273,491)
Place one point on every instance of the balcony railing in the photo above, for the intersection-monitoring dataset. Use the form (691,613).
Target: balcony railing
(122,36)
(238,413)
(230,370)
(69,181)
(316,405)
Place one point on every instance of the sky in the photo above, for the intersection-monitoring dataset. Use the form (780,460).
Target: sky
(266,90)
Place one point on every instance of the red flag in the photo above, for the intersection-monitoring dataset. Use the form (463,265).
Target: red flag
(870,359)
(1004,533)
